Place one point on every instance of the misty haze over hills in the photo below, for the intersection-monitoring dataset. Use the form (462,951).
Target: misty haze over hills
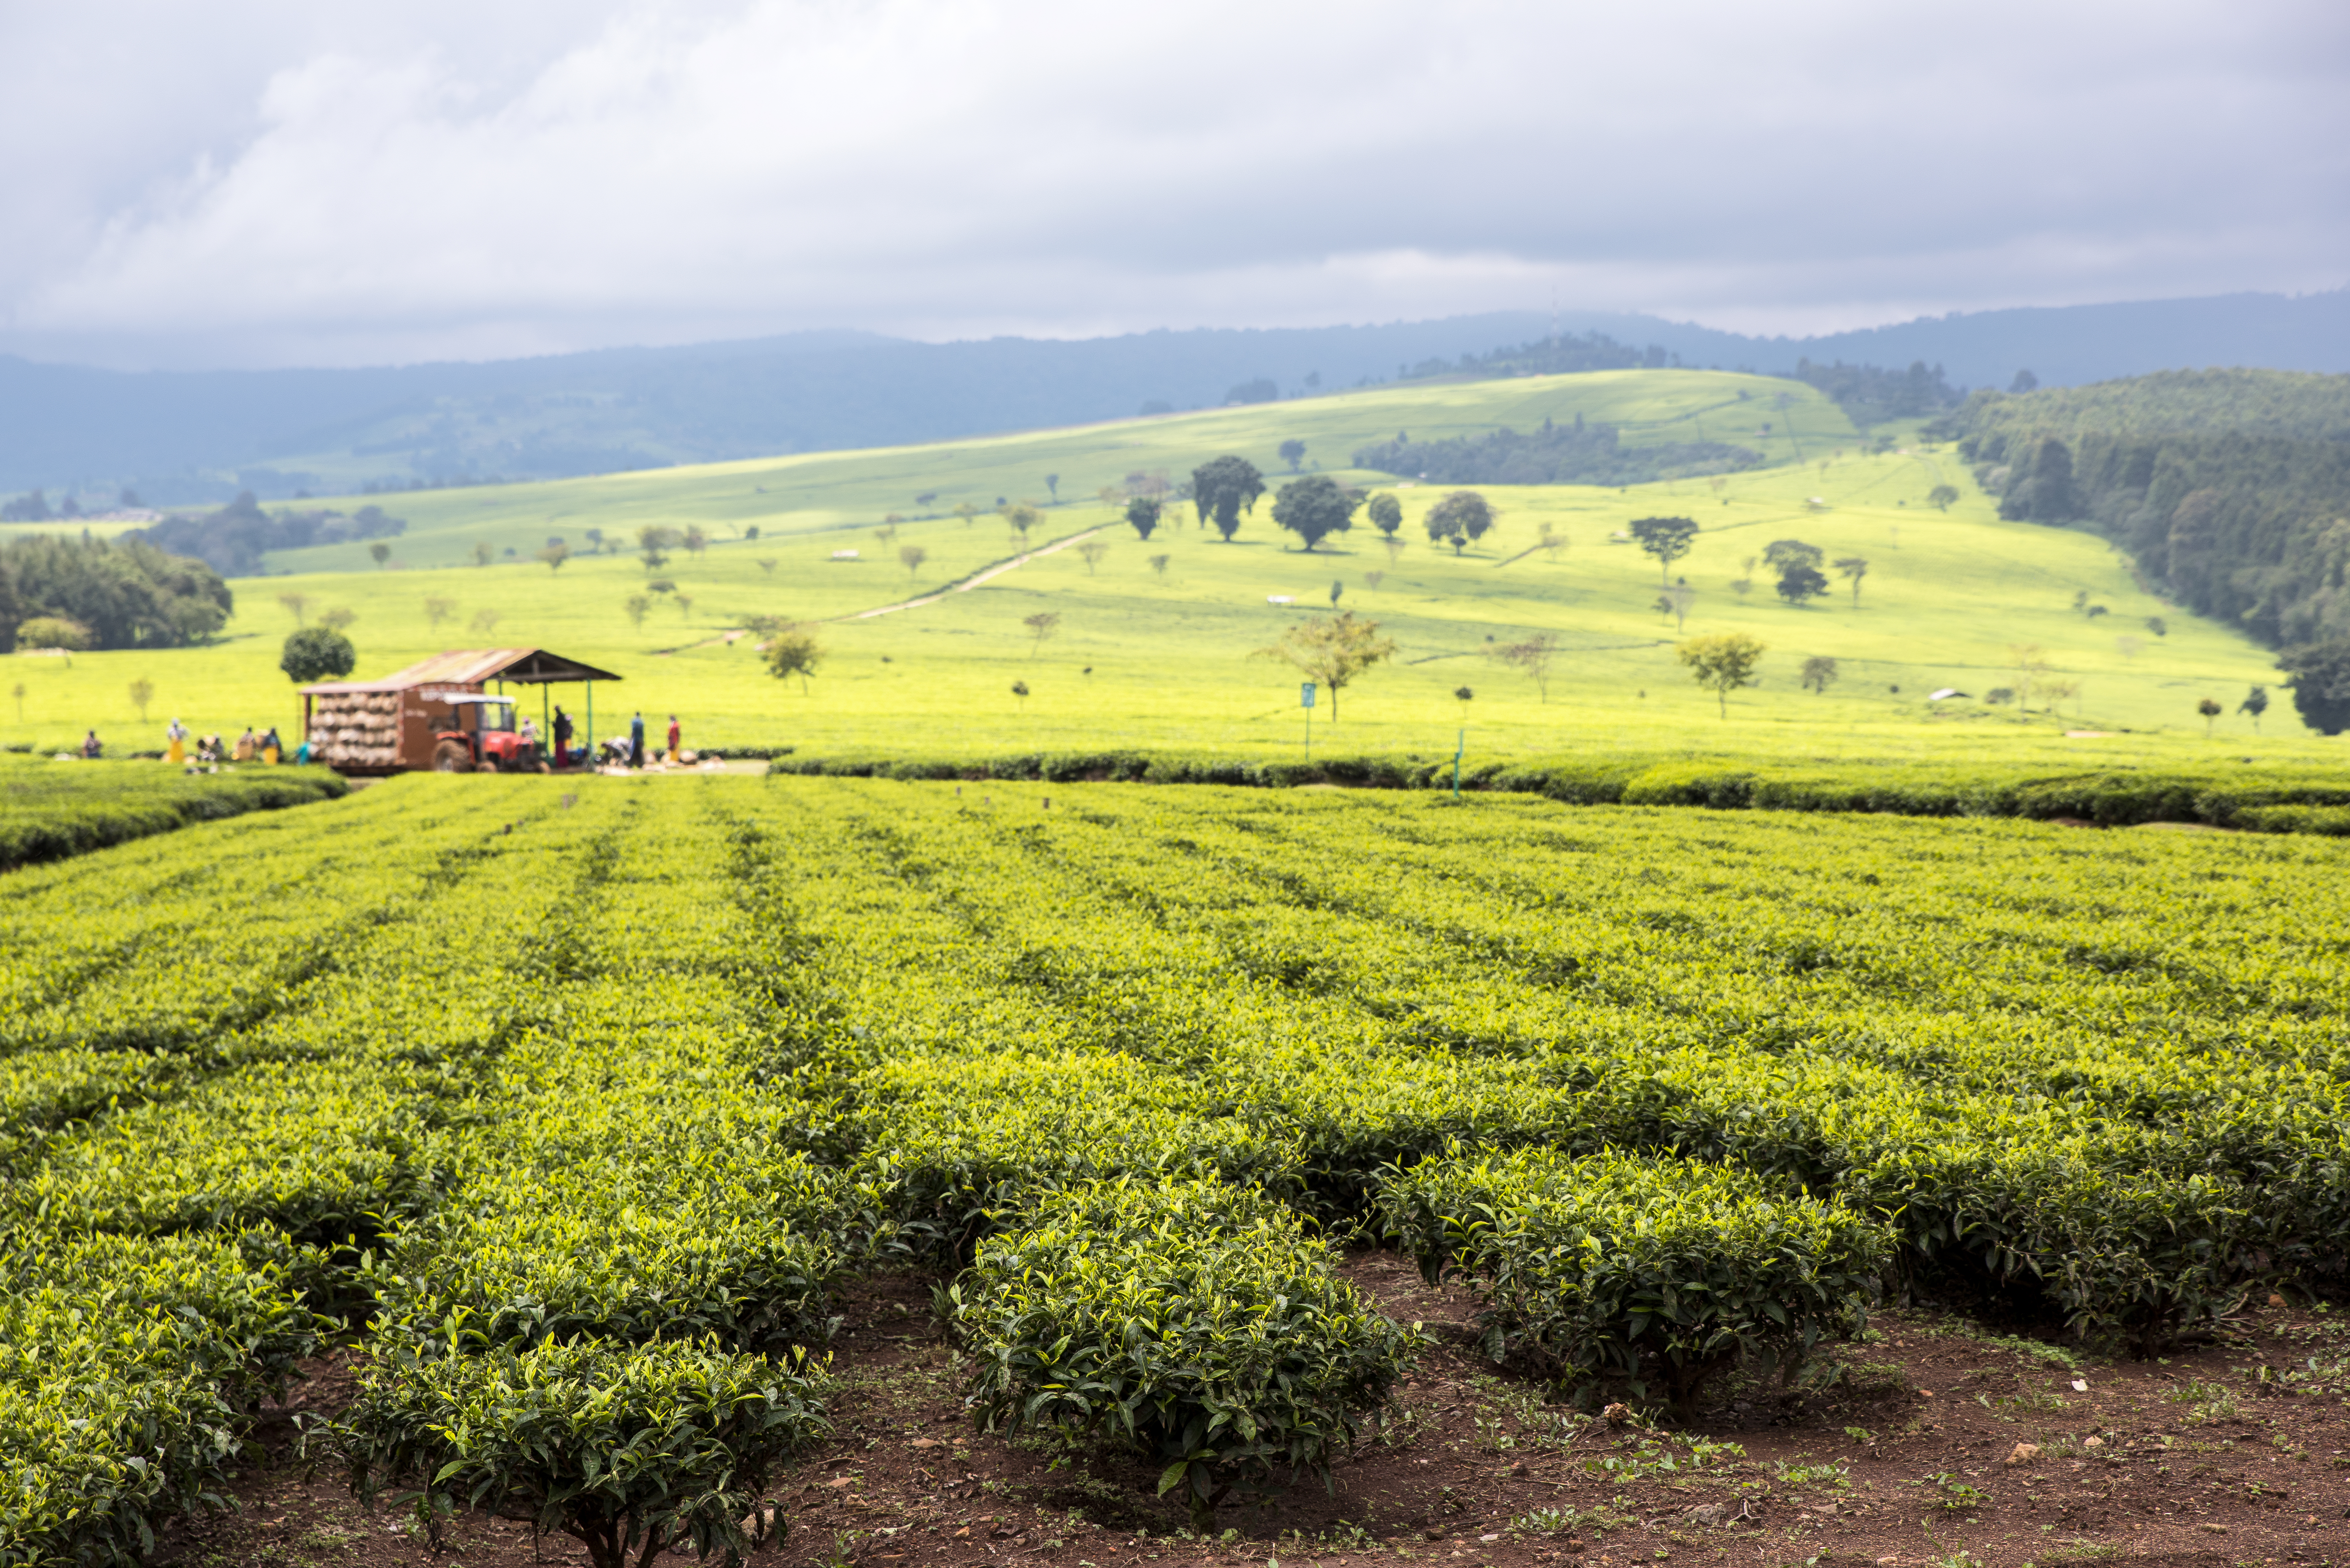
(191,437)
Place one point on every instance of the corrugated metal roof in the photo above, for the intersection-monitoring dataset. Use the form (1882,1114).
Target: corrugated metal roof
(473,666)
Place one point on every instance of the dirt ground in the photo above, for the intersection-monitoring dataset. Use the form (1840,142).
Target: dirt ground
(1939,1443)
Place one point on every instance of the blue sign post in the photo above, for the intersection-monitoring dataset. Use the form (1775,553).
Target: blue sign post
(1306,700)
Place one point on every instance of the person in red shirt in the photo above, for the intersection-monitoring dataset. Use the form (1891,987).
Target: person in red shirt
(675,734)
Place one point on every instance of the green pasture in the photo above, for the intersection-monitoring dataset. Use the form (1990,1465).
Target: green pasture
(854,489)
(1143,659)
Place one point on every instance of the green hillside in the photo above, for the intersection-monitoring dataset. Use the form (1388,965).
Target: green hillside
(1142,657)
(2229,488)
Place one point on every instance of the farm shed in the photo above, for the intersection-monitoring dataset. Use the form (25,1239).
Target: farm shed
(388,725)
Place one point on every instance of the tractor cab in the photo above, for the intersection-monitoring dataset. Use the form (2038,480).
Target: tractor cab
(480,737)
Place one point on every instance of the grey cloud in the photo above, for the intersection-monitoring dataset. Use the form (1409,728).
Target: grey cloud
(413,184)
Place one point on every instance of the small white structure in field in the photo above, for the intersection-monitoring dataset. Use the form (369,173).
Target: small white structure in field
(844,554)
(1281,598)
(1945,694)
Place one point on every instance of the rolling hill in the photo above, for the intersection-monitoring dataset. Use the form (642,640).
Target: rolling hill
(1153,642)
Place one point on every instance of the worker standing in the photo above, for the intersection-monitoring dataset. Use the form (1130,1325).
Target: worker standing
(175,748)
(636,740)
(562,739)
(675,735)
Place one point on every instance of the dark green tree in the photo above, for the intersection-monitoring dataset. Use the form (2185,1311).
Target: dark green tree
(1293,452)
(2320,683)
(1461,518)
(1666,538)
(1799,581)
(2255,702)
(317,653)
(1386,513)
(1142,512)
(1223,489)
(1315,507)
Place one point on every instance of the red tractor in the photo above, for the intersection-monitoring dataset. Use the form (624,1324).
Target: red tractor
(482,738)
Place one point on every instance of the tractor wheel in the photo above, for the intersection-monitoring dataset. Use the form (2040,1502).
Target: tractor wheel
(449,757)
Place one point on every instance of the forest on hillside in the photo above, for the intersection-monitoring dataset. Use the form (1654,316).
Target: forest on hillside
(2230,488)
(1555,454)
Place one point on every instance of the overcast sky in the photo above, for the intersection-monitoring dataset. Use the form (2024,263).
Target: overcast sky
(257,182)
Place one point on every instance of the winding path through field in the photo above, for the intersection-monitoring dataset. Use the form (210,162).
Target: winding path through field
(965,585)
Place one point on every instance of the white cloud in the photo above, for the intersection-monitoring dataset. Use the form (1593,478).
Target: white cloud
(412,184)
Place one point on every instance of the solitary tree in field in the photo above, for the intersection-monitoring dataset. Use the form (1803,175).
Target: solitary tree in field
(794,652)
(1053,485)
(485,621)
(696,540)
(1722,663)
(1159,564)
(966,511)
(1224,488)
(2255,702)
(1372,580)
(143,691)
(1940,497)
(1041,624)
(654,543)
(1338,592)
(1852,568)
(1459,519)
(338,619)
(437,610)
(1314,508)
(911,557)
(1666,538)
(294,605)
(1386,513)
(1819,674)
(1091,552)
(634,606)
(2031,664)
(2210,712)
(1800,580)
(767,565)
(1293,452)
(1332,650)
(484,553)
(554,556)
(1531,658)
(1022,518)
(380,552)
(1550,541)
(1142,514)
(1020,690)
(317,654)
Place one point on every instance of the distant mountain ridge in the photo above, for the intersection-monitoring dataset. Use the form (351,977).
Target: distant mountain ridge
(185,437)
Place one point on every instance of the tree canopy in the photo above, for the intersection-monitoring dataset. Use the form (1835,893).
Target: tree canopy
(1461,518)
(1332,650)
(1722,663)
(125,592)
(1315,507)
(317,653)
(1226,487)
(1386,513)
(1666,538)
(2320,681)
(1142,513)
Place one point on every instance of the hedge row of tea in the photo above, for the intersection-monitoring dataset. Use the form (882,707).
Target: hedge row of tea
(578,1106)
(2267,798)
(49,810)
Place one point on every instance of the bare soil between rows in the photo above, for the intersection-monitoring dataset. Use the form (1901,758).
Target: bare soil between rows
(1903,1461)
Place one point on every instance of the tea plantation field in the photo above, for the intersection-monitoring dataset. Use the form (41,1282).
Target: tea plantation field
(575,1105)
